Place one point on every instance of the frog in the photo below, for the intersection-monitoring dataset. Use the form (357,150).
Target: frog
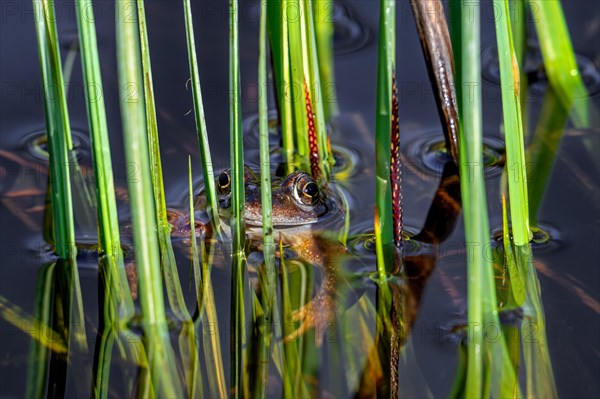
(299,204)
(304,214)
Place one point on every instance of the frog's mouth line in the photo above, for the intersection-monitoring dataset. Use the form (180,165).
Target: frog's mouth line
(324,219)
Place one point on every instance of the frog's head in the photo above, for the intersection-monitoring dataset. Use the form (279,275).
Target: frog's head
(297,201)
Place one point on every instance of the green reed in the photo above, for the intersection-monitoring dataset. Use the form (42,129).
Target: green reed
(383,129)
(387,153)
(202,132)
(559,59)
(238,198)
(195,379)
(38,351)
(168,264)
(324,30)
(541,152)
(57,128)
(519,40)
(315,84)
(187,342)
(118,305)
(202,276)
(156,338)
(519,258)
(202,259)
(61,158)
(513,124)
(280,49)
(108,222)
(488,367)
(294,384)
(298,82)
(268,283)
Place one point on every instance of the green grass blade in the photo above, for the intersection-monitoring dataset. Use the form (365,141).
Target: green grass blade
(513,124)
(316,94)
(489,368)
(31,326)
(536,354)
(57,128)
(474,199)
(168,263)
(383,128)
(324,30)
(559,59)
(294,385)
(280,49)
(236,143)
(187,342)
(237,209)
(207,169)
(195,383)
(103,361)
(265,165)
(520,37)
(287,120)
(59,149)
(207,313)
(37,361)
(517,283)
(108,223)
(298,74)
(540,378)
(541,153)
(268,284)
(158,347)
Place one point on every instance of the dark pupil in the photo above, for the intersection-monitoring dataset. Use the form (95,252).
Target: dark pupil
(223,180)
(311,189)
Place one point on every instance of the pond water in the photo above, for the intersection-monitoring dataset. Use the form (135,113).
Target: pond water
(567,264)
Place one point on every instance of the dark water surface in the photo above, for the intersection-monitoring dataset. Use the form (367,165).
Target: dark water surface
(567,265)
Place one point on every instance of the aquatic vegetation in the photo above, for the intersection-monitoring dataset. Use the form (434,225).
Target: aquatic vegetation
(283,296)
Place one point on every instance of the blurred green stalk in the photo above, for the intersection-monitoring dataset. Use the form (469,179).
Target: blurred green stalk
(513,124)
(108,222)
(268,284)
(559,59)
(541,152)
(489,371)
(156,338)
(202,132)
(238,198)
(324,31)
(57,128)
(167,257)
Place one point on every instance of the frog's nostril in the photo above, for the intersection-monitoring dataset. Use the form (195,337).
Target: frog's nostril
(224,203)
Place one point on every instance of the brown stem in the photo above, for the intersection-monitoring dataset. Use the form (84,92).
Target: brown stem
(437,49)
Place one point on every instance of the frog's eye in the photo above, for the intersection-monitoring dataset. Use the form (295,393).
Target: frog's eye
(224,183)
(307,190)
(172,216)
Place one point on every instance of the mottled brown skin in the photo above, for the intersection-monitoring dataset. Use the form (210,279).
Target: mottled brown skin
(301,212)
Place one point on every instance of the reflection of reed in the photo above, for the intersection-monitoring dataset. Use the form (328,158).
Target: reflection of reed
(406,298)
